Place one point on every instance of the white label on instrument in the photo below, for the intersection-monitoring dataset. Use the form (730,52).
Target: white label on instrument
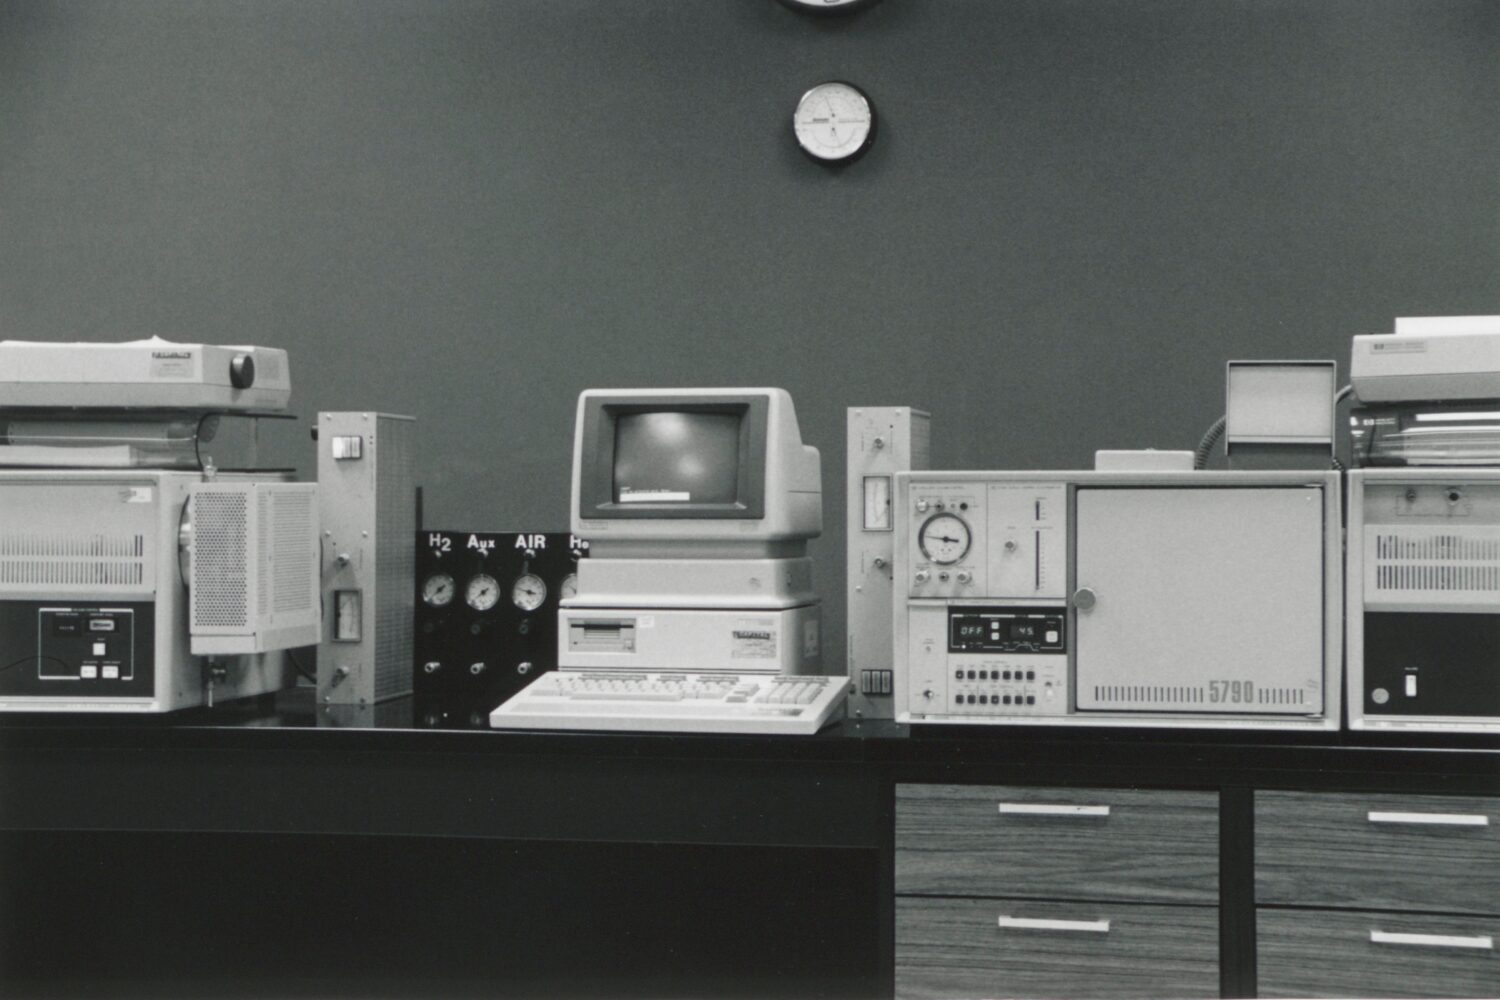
(172,364)
(137,494)
(809,639)
(1399,345)
(753,639)
(645,621)
(655,496)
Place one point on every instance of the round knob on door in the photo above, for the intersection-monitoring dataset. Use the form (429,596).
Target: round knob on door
(1084,598)
(242,371)
(922,506)
(923,576)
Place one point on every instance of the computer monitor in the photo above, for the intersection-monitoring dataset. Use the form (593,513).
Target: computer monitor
(693,472)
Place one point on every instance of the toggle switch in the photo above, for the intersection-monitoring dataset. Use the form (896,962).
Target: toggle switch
(1411,685)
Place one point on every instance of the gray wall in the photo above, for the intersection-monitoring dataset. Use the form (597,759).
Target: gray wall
(1076,212)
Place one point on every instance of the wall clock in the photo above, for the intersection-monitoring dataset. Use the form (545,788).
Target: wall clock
(828,6)
(834,122)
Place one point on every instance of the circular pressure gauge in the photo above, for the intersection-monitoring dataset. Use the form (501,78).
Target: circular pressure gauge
(437,590)
(944,539)
(482,592)
(834,122)
(528,592)
(569,587)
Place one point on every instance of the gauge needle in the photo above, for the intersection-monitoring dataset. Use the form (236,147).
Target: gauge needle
(945,538)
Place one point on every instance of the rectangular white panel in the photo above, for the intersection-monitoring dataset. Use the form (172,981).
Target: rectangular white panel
(1204,600)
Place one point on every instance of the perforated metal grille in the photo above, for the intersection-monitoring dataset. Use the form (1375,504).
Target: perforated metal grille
(1437,562)
(295,559)
(395,512)
(98,560)
(219,560)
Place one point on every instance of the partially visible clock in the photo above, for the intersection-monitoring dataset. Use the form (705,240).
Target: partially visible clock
(834,122)
(828,6)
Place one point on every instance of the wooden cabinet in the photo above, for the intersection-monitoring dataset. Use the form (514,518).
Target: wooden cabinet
(1377,895)
(996,947)
(1033,892)
(1319,953)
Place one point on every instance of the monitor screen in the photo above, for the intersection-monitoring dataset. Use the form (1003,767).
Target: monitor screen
(669,457)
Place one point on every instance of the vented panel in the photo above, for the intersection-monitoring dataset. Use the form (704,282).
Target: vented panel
(219,583)
(1432,568)
(96,561)
(1135,695)
(396,516)
(295,560)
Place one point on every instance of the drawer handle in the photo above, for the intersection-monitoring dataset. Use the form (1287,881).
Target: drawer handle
(1030,924)
(1482,942)
(1429,819)
(1050,809)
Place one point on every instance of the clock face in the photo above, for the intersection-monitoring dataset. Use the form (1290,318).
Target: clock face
(827,6)
(834,122)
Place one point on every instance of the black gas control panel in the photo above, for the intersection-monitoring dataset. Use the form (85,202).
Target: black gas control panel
(1007,630)
(486,613)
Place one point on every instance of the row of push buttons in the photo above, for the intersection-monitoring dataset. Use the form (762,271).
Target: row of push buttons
(994,699)
(90,671)
(995,675)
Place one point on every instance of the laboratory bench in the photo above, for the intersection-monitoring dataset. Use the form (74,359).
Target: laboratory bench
(271,848)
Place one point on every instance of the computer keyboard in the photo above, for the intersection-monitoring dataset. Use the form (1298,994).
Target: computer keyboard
(674,702)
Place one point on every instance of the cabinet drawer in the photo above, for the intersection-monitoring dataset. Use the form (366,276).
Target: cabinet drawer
(1079,843)
(1380,852)
(1322,953)
(1022,948)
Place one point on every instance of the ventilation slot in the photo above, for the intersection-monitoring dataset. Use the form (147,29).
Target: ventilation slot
(1290,697)
(33,560)
(1138,694)
(1438,563)
(219,586)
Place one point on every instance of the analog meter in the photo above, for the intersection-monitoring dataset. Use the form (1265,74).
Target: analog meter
(944,539)
(569,586)
(482,593)
(528,592)
(437,590)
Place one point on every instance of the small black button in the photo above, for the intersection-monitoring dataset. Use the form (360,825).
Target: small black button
(1007,699)
(1007,675)
(1031,675)
(958,675)
(984,699)
(971,699)
(971,675)
(984,675)
(1031,699)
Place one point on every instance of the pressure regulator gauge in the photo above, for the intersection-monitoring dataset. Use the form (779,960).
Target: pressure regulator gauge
(528,592)
(944,539)
(438,590)
(834,122)
(482,592)
(569,587)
